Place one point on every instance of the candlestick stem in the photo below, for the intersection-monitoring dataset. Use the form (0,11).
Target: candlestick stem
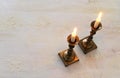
(70,54)
(93,32)
(70,50)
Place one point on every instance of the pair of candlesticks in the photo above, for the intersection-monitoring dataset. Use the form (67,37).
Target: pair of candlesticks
(86,44)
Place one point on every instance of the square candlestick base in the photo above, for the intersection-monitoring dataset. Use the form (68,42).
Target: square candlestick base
(66,63)
(90,47)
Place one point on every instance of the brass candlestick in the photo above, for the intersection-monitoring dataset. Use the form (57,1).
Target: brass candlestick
(69,56)
(87,44)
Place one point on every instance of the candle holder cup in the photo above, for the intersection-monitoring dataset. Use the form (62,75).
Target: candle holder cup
(87,44)
(69,56)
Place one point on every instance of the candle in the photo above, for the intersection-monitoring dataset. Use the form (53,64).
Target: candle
(73,35)
(98,20)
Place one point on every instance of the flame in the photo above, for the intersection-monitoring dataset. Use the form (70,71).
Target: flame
(98,20)
(74,32)
(99,17)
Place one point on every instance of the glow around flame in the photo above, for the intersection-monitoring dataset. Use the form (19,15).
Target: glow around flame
(99,17)
(74,32)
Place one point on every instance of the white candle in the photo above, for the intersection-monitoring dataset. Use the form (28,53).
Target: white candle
(98,20)
(73,35)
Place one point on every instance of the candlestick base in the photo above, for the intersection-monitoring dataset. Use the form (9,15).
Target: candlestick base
(66,63)
(86,49)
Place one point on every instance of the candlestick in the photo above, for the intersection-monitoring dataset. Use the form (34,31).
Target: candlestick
(69,56)
(87,44)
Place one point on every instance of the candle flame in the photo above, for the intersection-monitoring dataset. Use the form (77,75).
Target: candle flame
(74,32)
(99,17)
(98,20)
